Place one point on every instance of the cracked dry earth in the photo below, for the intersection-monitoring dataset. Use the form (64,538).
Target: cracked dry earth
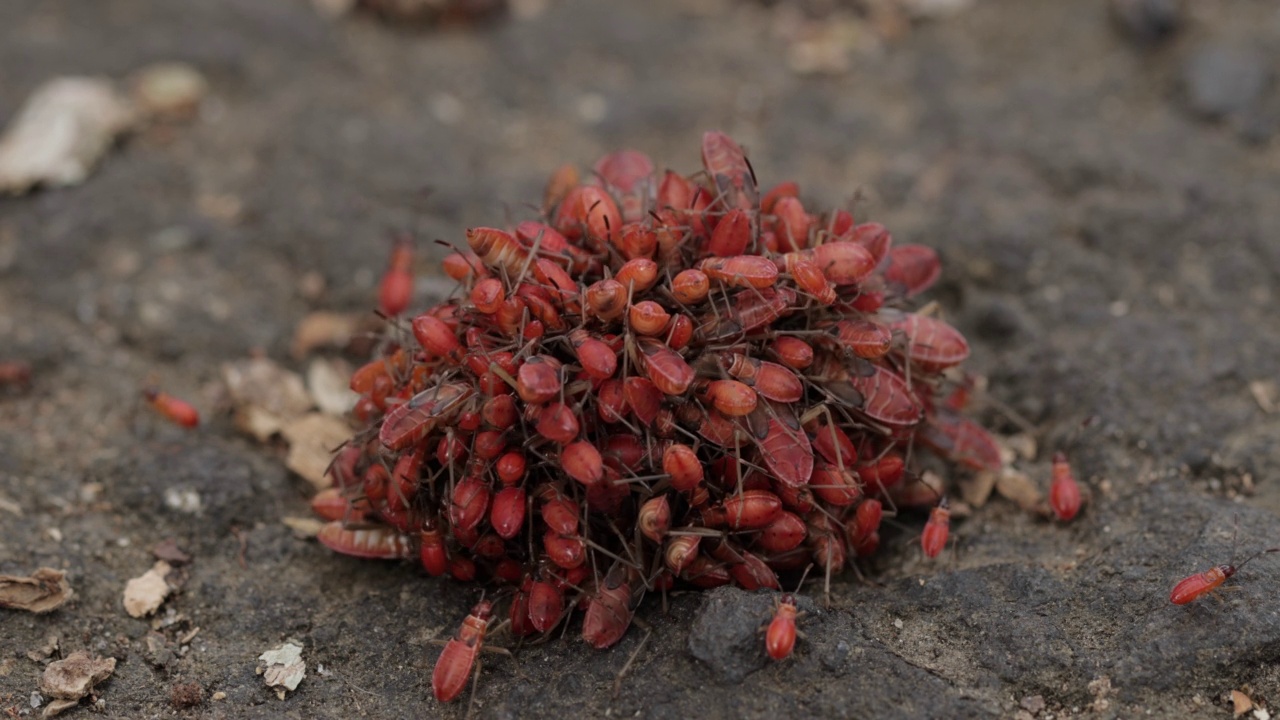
(1111,246)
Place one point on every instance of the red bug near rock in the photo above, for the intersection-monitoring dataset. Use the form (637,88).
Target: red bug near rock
(662,379)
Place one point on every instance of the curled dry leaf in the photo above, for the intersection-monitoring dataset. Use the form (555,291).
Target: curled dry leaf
(303,527)
(1264,393)
(1021,445)
(312,439)
(169,551)
(1240,702)
(169,90)
(43,591)
(323,330)
(1016,486)
(72,678)
(328,382)
(266,396)
(59,134)
(976,490)
(282,667)
(144,594)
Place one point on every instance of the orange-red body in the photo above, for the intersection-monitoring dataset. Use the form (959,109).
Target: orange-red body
(665,368)
(179,412)
(459,655)
(781,636)
(582,462)
(745,271)
(1064,492)
(690,286)
(432,551)
(546,605)
(411,421)
(1197,586)
(786,451)
(377,541)
(727,165)
(936,530)
(749,510)
(15,372)
(396,289)
(608,611)
(912,268)
(931,343)
(1200,584)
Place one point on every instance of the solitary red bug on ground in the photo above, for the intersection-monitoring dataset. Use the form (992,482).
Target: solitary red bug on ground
(459,654)
(1064,492)
(179,412)
(780,638)
(936,530)
(15,372)
(1201,584)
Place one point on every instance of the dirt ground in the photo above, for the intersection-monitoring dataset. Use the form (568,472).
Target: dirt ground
(1106,210)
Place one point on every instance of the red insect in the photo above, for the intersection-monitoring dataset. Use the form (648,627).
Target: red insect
(727,165)
(176,411)
(1198,585)
(780,638)
(410,422)
(396,290)
(1064,492)
(936,530)
(732,235)
(15,372)
(365,541)
(609,610)
(454,665)
(665,368)
(912,268)
(932,344)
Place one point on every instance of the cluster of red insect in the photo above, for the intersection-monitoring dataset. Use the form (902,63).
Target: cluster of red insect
(665,380)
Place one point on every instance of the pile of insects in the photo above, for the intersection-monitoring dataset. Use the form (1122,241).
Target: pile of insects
(664,380)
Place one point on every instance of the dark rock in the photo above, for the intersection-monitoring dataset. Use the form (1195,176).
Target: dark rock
(1222,80)
(1147,21)
(726,633)
(998,321)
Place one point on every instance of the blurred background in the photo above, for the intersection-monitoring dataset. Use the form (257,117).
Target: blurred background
(1098,176)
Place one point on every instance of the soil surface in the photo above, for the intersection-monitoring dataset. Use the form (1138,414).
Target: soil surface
(1106,211)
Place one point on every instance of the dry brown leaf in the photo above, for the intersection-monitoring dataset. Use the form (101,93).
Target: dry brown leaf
(1241,703)
(46,651)
(976,490)
(144,594)
(43,591)
(169,90)
(312,440)
(1016,486)
(70,679)
(1264,393)
(328,381)
(324,330)
(266,396)
(282,667)
(1022,445)
(169,551)
(303,527)
(61,131)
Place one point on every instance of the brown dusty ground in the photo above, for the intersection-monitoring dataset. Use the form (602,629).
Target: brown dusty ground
(1108,250)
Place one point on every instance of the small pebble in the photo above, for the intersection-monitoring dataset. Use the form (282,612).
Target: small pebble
(1147,21)
(172,91)
(1223,80)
